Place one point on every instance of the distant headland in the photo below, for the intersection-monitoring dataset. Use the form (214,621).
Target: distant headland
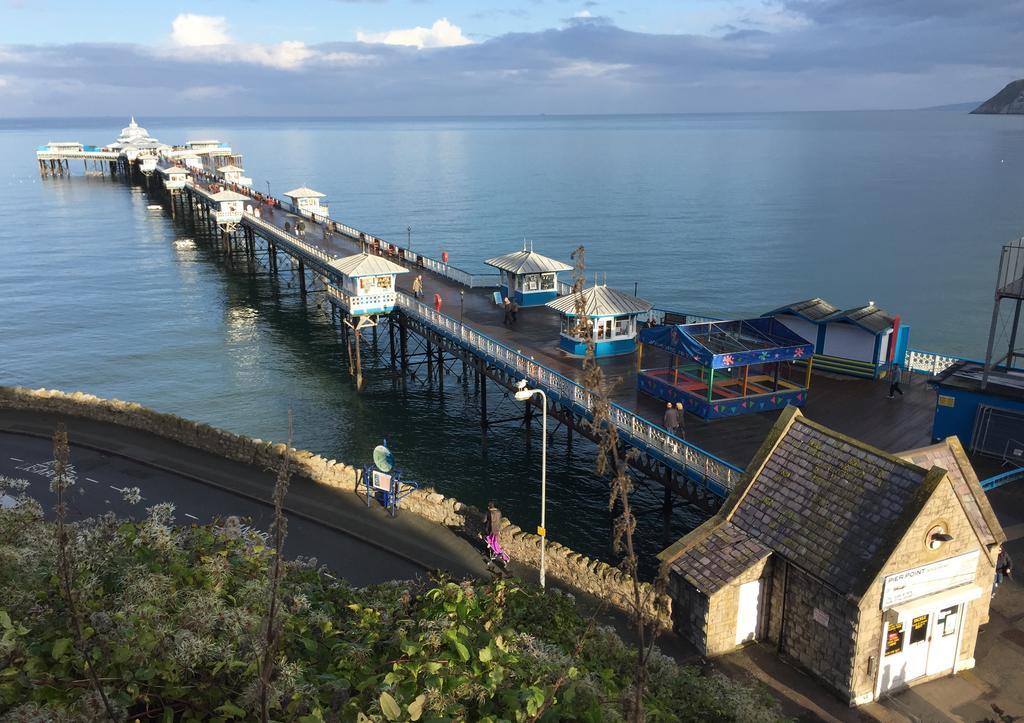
(1010,100)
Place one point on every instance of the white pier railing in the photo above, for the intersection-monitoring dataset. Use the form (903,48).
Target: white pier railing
(929,363)
(634,429)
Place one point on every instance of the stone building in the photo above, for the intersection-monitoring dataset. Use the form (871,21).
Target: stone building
(872,571)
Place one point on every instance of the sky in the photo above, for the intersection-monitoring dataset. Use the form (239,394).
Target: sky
(497,57)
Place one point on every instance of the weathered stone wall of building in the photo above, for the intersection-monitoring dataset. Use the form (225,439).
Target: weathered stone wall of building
(689,612)
(913,551)
(819,629)
(579,571)
(723,610)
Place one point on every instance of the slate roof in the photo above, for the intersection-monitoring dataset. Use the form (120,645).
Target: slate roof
(950,456)
(830,505)
(725,554)
(601,301)
(869,317)
(527,262)
(366,265)
(814,309)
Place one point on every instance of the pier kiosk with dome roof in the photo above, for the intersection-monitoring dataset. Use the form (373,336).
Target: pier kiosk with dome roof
(613,321)
(175,177)
(234,174)
(527,277)
(307,202)
(362,287)
(229,209)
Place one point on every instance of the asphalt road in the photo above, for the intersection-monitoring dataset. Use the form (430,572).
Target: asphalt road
(101,477)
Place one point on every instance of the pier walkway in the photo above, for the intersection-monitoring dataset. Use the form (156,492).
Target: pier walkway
(713,452)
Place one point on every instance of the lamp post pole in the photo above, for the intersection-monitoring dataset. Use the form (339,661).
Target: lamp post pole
(523,395)
(408,233)
(268,188)
(462,303)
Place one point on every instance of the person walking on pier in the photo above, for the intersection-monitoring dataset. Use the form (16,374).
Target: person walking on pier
(671,419)
(514,308)
(417,286)
(681,429)
(895,376)
(506,306)
(437,302)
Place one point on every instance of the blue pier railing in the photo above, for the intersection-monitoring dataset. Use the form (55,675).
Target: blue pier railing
(1013,475)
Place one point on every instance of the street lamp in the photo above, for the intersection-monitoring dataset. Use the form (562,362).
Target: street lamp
(408,231)
(523,395)
(268,188)
(462,303)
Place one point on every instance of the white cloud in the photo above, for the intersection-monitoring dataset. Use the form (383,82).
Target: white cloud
(207,37)
(288,55)
(190,30)
(583,14)
(442,34)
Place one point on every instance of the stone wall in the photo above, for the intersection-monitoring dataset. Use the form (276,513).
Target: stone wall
(690,612)
(819,628)
(571,568)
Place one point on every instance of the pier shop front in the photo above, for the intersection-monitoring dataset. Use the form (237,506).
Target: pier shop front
(871,571)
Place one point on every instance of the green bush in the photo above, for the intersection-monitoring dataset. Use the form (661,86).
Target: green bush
(173,621)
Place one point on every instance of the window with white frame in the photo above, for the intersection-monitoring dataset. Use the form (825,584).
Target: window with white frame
(623,325)
(547,282)
(531,282)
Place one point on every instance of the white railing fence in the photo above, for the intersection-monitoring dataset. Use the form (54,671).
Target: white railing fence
(927,362)
(628,423)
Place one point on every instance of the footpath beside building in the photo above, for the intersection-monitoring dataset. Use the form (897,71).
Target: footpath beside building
(872,571)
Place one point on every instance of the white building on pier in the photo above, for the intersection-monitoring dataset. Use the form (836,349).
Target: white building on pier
(234,174)
(306,200)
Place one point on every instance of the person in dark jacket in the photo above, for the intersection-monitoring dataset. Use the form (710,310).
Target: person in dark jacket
(514,308)
(671,418)
(895,376)
(1004,568)
(506,306)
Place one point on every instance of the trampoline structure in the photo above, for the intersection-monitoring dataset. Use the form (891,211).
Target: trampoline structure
(724,368)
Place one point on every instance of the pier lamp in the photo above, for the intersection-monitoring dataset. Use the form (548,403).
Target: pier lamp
(268,188)
(408,243)
(523,395)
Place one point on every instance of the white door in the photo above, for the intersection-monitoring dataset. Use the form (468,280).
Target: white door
(749,612)
(942,652)
(915,654)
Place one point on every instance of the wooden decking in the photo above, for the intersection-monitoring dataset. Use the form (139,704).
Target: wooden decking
(856,407)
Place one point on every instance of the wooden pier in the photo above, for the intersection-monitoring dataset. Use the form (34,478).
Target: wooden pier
(467,338)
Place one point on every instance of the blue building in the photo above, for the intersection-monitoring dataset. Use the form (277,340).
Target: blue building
(987,417)
(860,342)
(528,278)
(613,316)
